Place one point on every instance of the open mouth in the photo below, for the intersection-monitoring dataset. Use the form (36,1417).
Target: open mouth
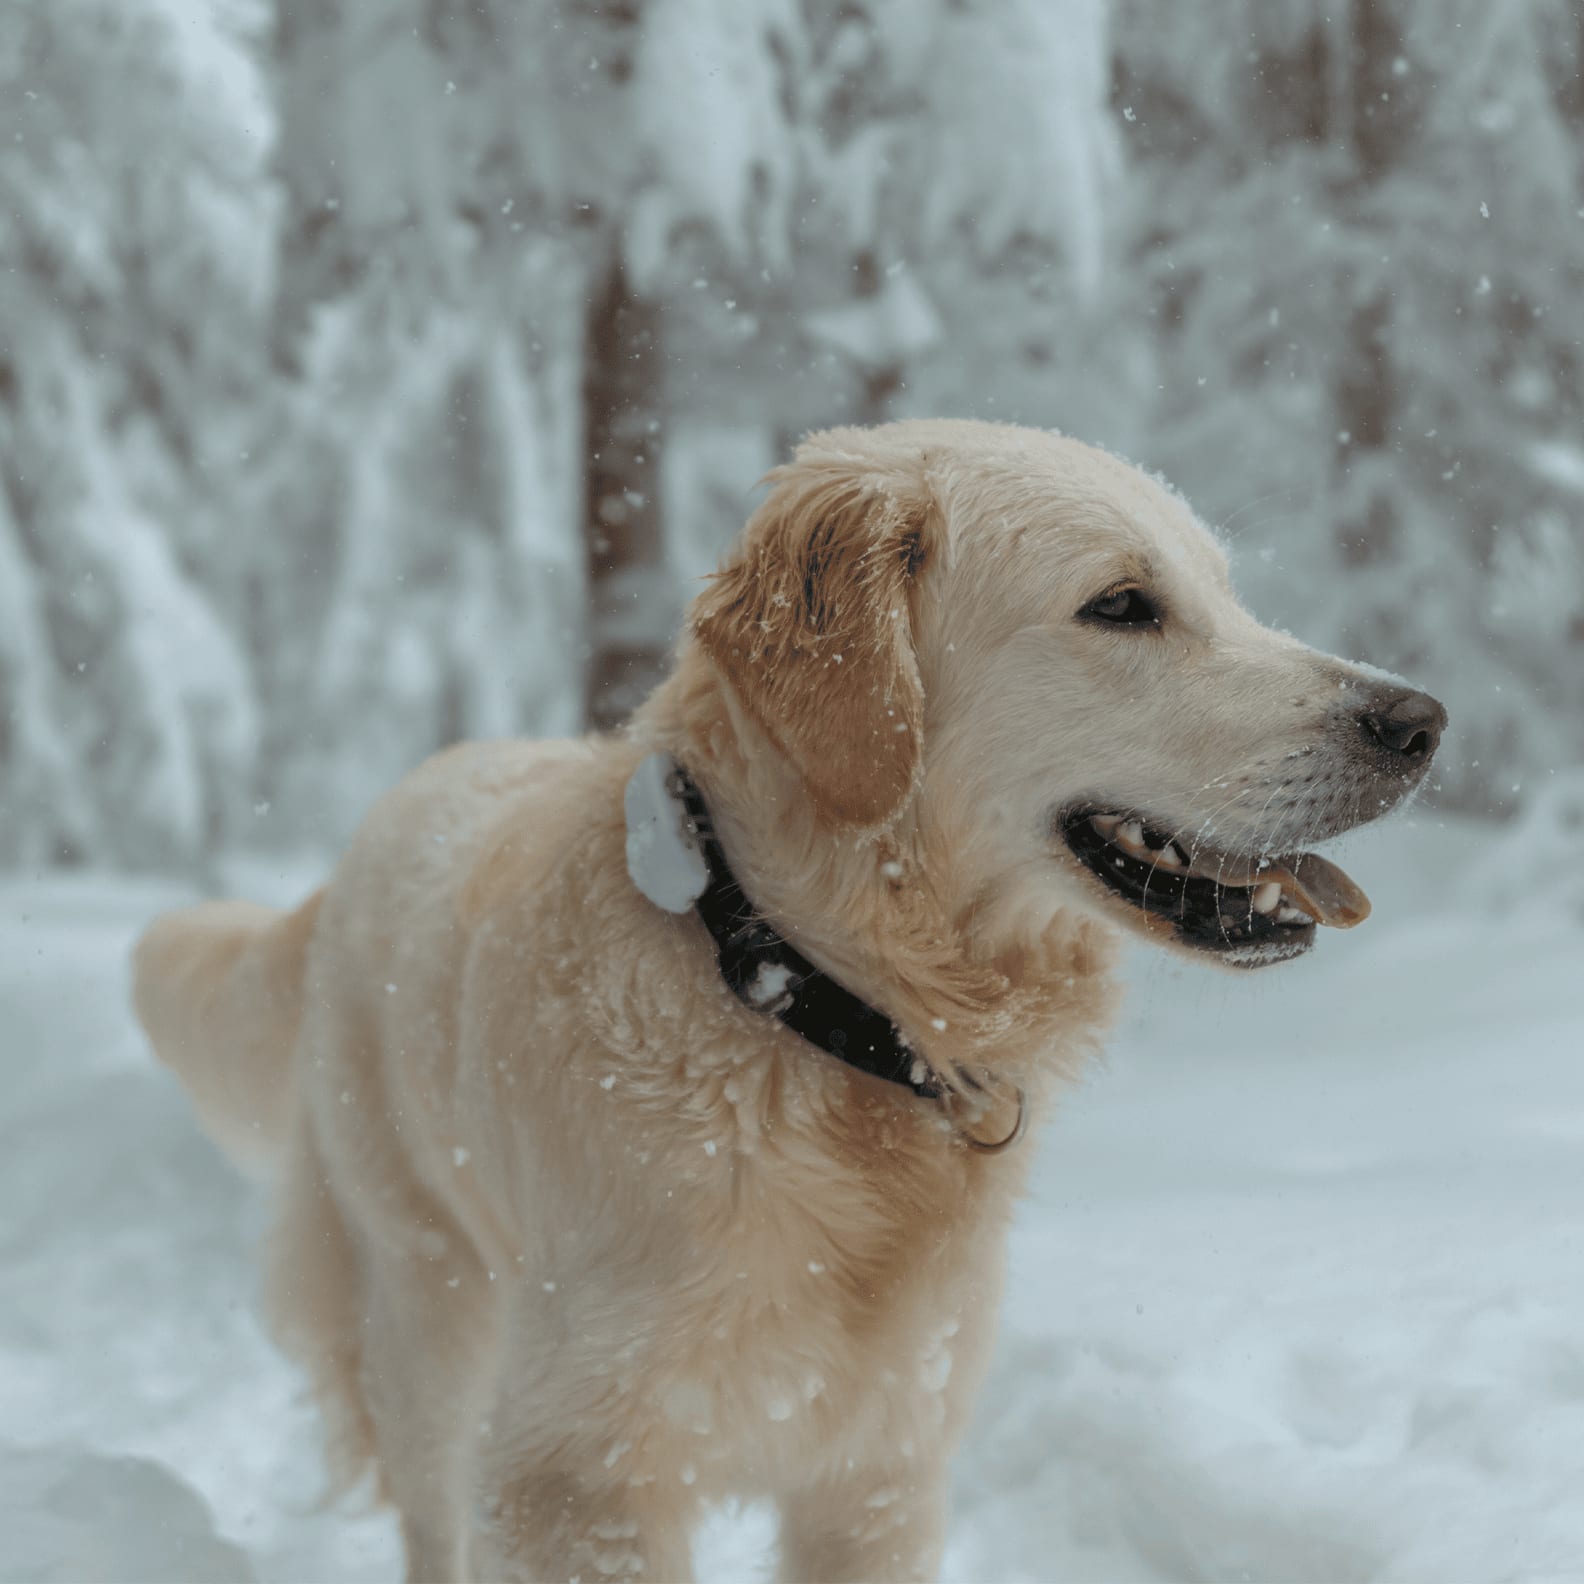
(1250,909)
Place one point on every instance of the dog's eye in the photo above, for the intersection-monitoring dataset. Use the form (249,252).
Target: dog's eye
(1128,607)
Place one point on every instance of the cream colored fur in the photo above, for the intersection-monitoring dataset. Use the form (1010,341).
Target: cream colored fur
(570,1240)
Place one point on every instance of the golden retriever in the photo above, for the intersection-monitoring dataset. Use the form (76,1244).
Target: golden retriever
(573,1240)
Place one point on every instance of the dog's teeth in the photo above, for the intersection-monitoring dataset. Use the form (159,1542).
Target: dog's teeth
(1131,836)
(1266,897)
(1292,915)
(1169,858)
(1106,824)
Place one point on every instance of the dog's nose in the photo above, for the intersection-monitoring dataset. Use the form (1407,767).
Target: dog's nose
(1408,725)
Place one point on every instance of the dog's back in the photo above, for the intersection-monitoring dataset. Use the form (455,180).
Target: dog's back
(219,987)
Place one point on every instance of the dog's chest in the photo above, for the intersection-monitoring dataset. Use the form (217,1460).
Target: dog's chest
(800,1279)
(824,1324)
(831,1376)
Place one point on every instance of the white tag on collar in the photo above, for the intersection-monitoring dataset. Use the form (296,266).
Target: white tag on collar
(664,858)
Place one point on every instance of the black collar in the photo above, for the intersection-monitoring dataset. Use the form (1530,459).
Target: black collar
(769,974)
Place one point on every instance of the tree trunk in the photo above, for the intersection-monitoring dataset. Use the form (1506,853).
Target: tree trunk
(1373,122)
(634,606)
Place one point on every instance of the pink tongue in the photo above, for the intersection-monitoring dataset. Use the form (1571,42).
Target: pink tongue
(1319,887)
(1309,881)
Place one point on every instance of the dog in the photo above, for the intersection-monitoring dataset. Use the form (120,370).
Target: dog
(589,1213)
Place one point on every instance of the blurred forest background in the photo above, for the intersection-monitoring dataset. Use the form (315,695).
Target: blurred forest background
(379,372)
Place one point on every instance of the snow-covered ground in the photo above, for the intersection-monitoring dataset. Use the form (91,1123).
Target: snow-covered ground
(1299,1293)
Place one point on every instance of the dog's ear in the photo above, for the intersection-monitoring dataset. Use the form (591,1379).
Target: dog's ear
(811,625)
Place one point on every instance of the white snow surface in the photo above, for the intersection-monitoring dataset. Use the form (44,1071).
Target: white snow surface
(1296,1294)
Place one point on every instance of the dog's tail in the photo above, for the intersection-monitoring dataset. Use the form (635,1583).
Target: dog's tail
(219,990)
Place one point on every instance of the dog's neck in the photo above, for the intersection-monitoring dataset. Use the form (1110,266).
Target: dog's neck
(1022,996)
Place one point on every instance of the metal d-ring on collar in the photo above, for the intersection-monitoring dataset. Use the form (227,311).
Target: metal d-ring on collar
(1019,1127)
(769,974)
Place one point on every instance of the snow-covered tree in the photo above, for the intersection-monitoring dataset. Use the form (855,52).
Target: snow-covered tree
(680,205)
(1354,233)
(374,375)
(134,238)
(903,164)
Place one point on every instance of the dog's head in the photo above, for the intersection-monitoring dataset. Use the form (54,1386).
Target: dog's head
(1031,653)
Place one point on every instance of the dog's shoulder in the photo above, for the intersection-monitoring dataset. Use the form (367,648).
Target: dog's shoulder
(548,818)
(547,897)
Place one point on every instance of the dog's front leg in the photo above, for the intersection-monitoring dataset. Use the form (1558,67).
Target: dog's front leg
(537,1524)
(873,1524)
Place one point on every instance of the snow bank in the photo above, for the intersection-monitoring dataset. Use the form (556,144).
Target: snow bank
(73,1517)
